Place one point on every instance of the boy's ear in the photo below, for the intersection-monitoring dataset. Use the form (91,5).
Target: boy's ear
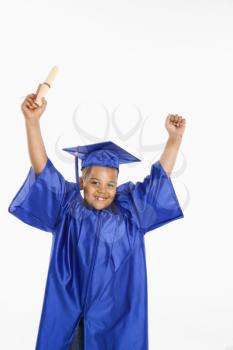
(81,183)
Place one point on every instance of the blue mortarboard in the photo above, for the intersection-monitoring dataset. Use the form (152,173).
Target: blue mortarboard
(106,154)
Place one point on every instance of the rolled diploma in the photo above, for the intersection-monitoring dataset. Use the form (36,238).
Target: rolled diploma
(43,88)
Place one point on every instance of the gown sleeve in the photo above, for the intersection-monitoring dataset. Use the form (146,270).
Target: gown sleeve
(41,200)
(154,199)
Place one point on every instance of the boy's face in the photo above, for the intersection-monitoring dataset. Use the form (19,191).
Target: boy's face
(99,186)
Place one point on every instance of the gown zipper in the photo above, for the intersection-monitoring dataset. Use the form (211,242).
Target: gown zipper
(82,315)
(92,262)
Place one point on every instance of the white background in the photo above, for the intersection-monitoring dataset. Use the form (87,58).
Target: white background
(162,57)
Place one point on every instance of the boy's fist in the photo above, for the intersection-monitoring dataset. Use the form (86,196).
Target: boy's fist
(30,108)
(175,125)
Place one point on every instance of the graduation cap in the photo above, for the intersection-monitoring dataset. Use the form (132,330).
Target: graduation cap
(106,154)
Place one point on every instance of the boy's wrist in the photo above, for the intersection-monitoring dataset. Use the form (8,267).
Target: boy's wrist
(175,138)
(32,123)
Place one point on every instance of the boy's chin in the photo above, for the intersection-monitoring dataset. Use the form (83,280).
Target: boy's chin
(101,205)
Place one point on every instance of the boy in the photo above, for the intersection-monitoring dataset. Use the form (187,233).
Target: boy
(96,289)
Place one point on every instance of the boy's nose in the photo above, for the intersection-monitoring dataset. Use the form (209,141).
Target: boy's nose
(101,190)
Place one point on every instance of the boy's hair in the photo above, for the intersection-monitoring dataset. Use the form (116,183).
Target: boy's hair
(87,169)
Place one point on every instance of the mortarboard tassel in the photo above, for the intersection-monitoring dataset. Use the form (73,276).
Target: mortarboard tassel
(76,170)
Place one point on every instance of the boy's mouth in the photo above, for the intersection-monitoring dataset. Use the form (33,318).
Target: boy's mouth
(99,198)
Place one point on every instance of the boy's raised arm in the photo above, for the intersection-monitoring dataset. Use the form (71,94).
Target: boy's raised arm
(175,126)
(32,113)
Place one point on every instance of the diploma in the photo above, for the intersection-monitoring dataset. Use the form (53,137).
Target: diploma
(44,88)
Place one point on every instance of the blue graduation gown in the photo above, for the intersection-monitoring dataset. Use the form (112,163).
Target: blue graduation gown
(97,267)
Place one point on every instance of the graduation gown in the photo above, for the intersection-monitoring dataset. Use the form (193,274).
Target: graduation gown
(97,267)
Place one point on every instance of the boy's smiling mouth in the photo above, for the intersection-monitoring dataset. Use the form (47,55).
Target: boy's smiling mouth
(100,198)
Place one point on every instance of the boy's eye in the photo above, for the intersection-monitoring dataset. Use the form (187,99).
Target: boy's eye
(94,182)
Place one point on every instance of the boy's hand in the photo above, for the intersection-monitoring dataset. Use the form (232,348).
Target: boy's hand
(32,112)
(175,125)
